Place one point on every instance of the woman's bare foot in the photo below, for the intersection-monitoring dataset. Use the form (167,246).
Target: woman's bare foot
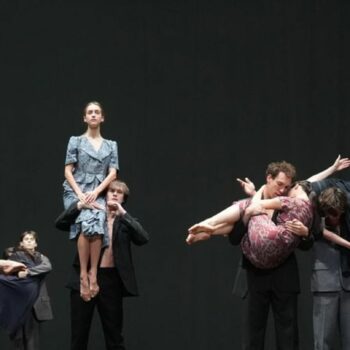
(94,287)
(85,288)
(193,238)
(201,227)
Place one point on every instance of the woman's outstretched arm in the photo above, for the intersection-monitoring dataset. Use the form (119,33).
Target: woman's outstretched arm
(339,164)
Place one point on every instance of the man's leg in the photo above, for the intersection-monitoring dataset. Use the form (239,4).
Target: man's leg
(81,313)
(257,310)
(325,319)
(285,314)
(110,307)
(27,336)
(344,311)
(17,340)
(31,333)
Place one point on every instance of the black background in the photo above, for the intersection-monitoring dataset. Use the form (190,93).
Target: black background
(196,93)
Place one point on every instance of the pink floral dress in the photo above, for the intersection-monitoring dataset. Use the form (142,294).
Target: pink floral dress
(267,245)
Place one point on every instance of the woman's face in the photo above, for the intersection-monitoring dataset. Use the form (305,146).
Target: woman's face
(93,116)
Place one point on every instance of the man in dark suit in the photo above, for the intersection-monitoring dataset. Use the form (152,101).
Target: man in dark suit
(116,276)
(275,288)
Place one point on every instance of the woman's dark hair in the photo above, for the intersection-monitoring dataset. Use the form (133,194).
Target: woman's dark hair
(305,185)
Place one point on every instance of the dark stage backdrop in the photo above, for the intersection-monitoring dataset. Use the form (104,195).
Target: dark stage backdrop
(196,93)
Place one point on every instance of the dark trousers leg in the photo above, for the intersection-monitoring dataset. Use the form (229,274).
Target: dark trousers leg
(81,317)
(326,319)
(27,337)
(257,311)
(285,313)
(110,307)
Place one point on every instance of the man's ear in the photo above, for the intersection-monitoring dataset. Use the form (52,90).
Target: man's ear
(269,178)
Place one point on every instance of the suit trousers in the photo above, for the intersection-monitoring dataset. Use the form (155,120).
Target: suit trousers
(27,336)
(284,309)
(109,303)
(331,319)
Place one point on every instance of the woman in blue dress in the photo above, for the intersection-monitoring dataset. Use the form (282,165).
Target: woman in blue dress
(91,164)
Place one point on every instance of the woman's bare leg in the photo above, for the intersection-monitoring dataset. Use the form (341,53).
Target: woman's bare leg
(228,216)
(95,252)
(221,230)
(84,255)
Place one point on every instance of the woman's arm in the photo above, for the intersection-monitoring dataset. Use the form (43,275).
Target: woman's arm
(339,164)
(273,203)
(333,237)
(68,174)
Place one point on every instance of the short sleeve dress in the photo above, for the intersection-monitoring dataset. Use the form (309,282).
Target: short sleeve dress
(90,169)
(267,245)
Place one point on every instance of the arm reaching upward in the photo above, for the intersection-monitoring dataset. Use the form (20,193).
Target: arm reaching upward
(339,164)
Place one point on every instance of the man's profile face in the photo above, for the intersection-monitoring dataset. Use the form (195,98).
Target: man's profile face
(116,194)
(277,186)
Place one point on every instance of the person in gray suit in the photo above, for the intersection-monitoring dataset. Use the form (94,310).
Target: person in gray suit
(26,336)
(330,281)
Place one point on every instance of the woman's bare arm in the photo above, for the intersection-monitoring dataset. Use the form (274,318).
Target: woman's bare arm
(339,164)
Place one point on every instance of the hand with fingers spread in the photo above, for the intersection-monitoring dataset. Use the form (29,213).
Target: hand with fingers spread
(341,163)
(91,196)
(247,185)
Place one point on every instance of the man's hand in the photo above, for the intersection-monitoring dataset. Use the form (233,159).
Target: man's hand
(23,274)
(10,267)
(248,186)
(297,227)
(114,205)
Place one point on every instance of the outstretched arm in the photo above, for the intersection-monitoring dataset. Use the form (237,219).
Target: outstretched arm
(9,266)
(333,237)
(339,164)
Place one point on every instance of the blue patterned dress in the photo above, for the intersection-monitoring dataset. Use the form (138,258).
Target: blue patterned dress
(90,169)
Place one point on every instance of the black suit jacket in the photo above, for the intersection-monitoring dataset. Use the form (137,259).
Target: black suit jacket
(126,230)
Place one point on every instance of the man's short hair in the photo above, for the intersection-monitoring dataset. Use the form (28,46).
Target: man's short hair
(29,232)
(332,201)
(275,168)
